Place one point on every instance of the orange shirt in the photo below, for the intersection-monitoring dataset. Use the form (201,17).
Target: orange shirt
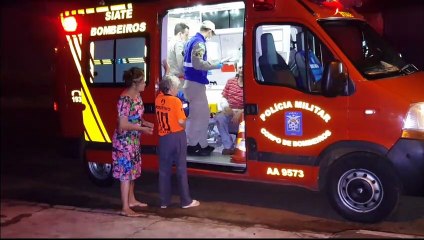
(169,110)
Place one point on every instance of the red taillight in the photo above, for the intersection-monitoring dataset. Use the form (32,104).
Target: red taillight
(263,5)
(55,106)
(69,24)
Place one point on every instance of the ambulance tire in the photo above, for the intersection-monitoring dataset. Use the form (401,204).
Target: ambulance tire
(99,173)
(363,188)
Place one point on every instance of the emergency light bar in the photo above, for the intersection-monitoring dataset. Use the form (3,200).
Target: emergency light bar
(334,4)
(69,24)
(339,4)
(263,5)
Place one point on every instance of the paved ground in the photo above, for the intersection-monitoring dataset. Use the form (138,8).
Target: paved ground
(21,219)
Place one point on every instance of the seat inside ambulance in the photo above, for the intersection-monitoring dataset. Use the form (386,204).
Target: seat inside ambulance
(272,65)
(304,64)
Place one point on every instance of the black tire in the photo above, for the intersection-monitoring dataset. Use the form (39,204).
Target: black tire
(99,173)
(363,187)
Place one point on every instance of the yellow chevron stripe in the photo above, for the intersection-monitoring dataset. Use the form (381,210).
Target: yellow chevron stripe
(89,120)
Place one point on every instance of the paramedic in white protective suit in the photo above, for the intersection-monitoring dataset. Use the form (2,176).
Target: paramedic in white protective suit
(196,69)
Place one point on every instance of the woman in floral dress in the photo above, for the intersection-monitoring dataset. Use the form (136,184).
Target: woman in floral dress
(126,139)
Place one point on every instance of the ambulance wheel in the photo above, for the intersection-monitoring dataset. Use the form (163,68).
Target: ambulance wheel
(363,188)
(99,173)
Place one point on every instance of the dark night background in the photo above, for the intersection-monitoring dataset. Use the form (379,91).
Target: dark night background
(29,30)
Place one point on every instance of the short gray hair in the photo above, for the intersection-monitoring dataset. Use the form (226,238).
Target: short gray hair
(167,83)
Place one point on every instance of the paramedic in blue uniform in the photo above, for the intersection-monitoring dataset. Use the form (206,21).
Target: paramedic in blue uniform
(196,68)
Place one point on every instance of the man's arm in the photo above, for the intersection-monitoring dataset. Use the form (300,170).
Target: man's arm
(179,53)
(165,66)
(197,58)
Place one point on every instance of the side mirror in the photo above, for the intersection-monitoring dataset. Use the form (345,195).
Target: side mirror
(334,80)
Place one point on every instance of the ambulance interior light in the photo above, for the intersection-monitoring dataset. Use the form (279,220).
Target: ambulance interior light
(69,24)
(263,5)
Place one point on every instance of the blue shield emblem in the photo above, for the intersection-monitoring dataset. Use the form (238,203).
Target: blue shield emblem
(293,123)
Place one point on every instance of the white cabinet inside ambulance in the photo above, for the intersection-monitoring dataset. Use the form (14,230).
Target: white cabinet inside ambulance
(328,104)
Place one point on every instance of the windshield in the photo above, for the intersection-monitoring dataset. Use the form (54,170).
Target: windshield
(370,54)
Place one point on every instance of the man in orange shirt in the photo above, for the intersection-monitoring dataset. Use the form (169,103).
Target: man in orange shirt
(172,143)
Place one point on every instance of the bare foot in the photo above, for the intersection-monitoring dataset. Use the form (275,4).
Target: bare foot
(137,204)
(130,213)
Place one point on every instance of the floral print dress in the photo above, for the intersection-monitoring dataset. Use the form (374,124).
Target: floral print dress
(126,144)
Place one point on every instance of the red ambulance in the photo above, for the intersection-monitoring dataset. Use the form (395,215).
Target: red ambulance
(328,104)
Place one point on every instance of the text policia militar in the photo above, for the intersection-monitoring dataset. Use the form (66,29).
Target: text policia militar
(287,105)
(297,104)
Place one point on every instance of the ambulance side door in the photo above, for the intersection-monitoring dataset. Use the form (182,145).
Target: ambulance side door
(288,120)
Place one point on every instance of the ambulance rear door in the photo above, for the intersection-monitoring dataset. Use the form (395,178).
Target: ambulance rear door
(117,38)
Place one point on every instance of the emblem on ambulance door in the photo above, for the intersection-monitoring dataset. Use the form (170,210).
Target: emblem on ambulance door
(293,123)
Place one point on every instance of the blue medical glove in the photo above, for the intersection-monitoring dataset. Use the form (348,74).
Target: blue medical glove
(219,66)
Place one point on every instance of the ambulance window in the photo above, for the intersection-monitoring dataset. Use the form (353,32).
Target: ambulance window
(101,58)
(130,52)
(109,59)
(370,54)
(291,56)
